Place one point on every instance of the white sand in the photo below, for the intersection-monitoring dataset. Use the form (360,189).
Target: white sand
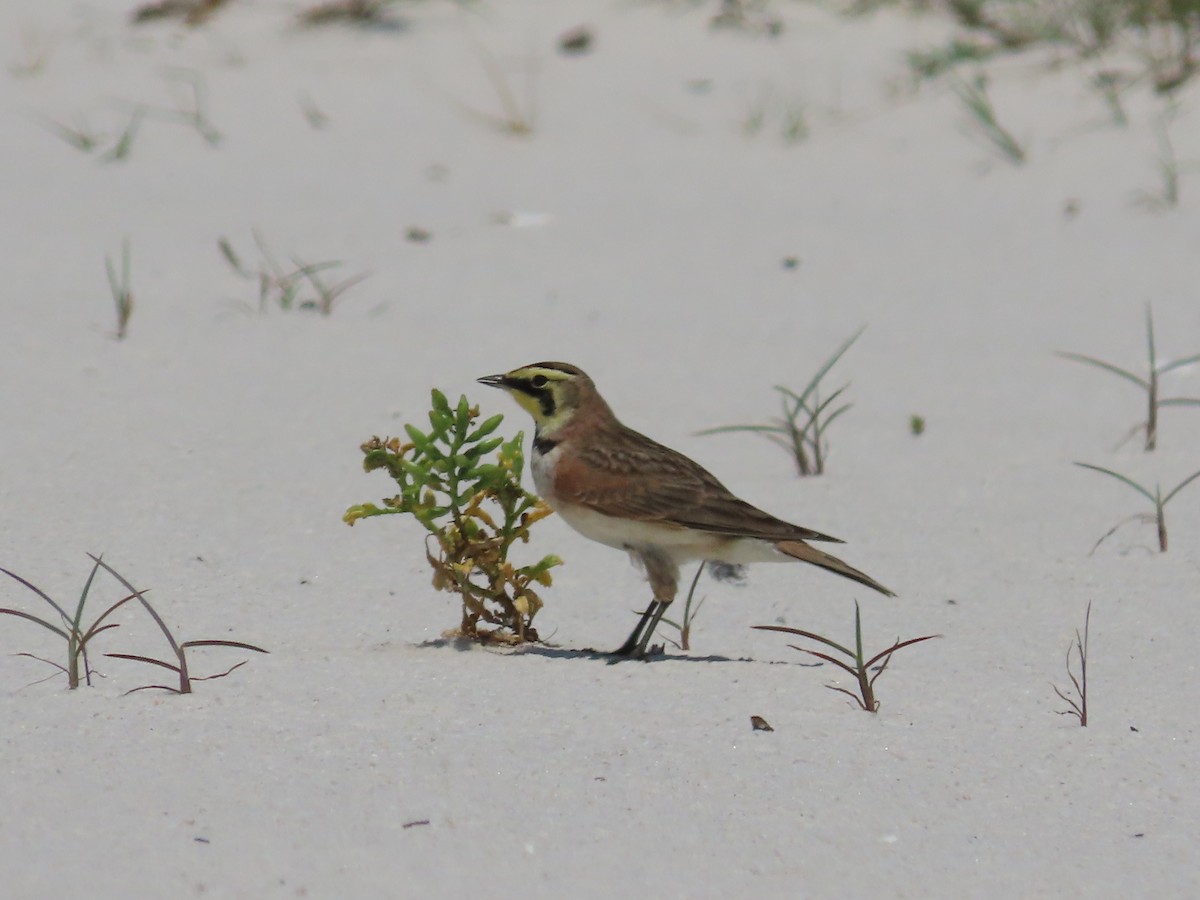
(211,453)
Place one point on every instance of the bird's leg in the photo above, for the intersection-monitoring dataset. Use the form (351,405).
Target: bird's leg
(663,574)
(634,639)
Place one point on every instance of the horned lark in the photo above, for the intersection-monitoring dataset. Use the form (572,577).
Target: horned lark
(625,490)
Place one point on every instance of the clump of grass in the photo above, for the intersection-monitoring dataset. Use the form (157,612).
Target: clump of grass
(79,636)
(71,629)
(1157,498)
(473,510)
(974,97)
(1164,35)
(1149,384)
(684,625)
(916,425)
(859,667)
(939,60)
(122,293)
(806,417)
(1079,702)
(192,12)
(179,648)
(302,287)
(367,13)
(190,109)
(789,114)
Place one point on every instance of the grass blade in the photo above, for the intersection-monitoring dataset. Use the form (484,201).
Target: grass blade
(1108,367)
(32,618)
(1179,487)
(37,590)
(1117,475)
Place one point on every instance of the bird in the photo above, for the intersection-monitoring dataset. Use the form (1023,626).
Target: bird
(623,489)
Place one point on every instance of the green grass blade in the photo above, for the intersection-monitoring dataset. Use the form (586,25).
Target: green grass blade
(145,603)
(1117,475)
(37,590)
(1108,367)
(1179,363)
(40,621)
(821,372)
(1179,487)
(1150,339)
(87,586)
(722,429)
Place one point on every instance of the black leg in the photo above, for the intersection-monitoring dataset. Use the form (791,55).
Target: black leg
(634,645)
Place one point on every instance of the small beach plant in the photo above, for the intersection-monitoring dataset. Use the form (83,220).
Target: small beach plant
(1157,498)
(178,648)
(859,667)
(473,509)
(122,293)
(69,626)
(978,103)
(302,287)
(1150,384)
(805,418)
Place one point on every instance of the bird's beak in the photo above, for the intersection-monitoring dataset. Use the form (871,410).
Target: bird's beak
(497,381)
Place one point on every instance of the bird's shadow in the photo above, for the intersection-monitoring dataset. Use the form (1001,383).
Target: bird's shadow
(551,651)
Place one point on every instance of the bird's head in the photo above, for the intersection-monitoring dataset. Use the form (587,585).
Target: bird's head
(551,392)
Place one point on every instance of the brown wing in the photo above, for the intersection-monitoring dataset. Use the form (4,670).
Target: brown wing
(627,474)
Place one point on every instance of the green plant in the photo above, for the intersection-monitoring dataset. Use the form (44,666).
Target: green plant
(1078,703)
(121,292)
(474,510)
(916,425)
(121,149)
(286,288)
(354,12)
(859,666)
(806,417)
(1156,498)
(684,626)
(177,647)
(974,97)
(81,137)
(1150,384)
(72,630)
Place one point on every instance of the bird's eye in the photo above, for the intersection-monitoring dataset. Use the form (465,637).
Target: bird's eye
(539,381)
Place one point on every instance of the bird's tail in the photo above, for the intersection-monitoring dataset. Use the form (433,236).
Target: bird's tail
(803,552)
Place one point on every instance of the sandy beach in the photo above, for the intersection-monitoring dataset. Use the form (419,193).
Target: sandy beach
(695,215)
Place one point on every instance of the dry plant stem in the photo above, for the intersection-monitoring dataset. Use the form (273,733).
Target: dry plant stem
(1078,703)
(1149,384)
(1156,498)
(689,614)
(861,667)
